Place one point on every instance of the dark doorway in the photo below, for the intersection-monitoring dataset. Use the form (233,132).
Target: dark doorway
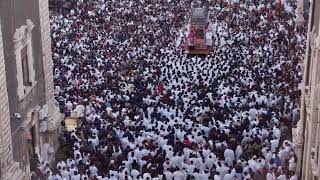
(31,141)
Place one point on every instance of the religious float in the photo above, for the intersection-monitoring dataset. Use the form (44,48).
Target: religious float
(199,35)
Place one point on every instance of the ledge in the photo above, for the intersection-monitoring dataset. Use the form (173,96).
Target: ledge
(27,90)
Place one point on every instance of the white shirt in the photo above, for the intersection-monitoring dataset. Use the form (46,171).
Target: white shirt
(134,173)
(93,170)
(294,177)
(75,177)
(177,175)
(229,156)
(228,177)
(274,144)
(282,177)
(80,110)
(216,177)
(146,176)
(292,164)
(65,174)
(270,176)
(168,175)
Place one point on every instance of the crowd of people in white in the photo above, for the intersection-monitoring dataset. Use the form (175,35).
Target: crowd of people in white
(149,112)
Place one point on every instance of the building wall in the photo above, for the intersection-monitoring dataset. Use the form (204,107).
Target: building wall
(18,16)
(15,14)
(54,115)
(8,168)
(308,130)
(54,112)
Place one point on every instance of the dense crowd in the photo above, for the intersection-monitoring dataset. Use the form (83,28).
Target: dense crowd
(147,111)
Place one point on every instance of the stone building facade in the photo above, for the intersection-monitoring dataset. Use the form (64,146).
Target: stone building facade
(307,133)
(29,118)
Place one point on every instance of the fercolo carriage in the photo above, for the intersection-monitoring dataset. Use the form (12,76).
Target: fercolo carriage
(199,37)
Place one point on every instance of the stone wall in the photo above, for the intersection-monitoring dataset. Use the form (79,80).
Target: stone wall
(16,14)
(308,131)
(54,116)
(8,168)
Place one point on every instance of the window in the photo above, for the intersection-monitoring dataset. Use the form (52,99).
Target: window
(31,140)
(24,59)
(307,70)
(312,14)
(316,17)
(25,67)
